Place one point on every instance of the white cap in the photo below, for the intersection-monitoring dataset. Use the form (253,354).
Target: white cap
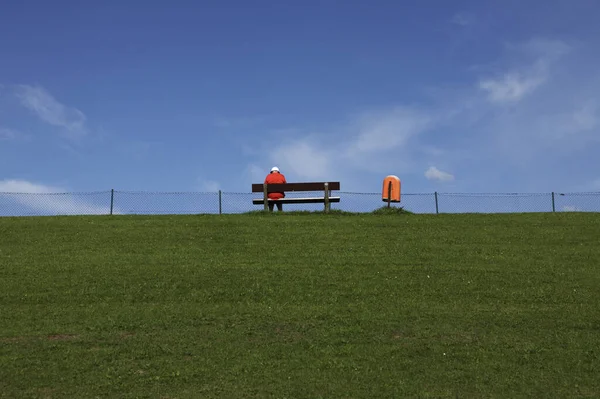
(274,169)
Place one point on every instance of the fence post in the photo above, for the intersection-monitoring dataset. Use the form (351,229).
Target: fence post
(553,207)
(437,211)
(326,201)
(220,206)
(112,200)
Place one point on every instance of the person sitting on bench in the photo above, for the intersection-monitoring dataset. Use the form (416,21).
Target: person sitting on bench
(275,177)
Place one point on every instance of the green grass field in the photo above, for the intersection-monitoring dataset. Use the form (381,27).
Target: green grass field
(300,306)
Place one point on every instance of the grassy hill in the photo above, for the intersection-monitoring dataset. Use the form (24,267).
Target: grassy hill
(300,306)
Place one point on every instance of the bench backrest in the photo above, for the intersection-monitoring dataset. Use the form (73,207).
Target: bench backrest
(315,186)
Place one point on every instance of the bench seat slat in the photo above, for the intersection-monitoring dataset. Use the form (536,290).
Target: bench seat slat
(307,200)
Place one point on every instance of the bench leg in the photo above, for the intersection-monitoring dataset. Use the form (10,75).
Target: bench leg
(265,197)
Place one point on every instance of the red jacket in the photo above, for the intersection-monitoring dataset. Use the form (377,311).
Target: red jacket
(275,178)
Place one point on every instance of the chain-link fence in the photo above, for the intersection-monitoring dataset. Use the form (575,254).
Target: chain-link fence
(131,202)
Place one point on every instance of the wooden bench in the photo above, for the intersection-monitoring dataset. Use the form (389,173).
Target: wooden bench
(326,199)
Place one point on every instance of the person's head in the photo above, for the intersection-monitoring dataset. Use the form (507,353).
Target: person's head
(274,169)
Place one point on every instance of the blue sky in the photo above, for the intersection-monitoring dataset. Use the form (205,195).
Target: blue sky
(461,96)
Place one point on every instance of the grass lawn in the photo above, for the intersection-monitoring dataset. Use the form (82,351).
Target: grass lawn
(300,306)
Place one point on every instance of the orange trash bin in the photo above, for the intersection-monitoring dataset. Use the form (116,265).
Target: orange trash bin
(391,189)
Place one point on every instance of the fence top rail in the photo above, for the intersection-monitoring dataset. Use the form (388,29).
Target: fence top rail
(332,186)
(55,193)
(494,194)
(379,193)
(167,192)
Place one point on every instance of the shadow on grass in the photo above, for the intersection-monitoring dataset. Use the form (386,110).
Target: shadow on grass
(301,213)
(334,212)
(384,210)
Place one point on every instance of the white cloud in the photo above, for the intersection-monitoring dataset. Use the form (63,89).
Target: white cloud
(594,185)
(558,114)
(462,19)
(434,173)
(388,130)
(578,119)
(544,126)
(255,173)
(50,200)
(303,159)
(521,81)
(209,186)
(511,87)
(23,186)
(543,50)
(361,145)
(571,208)
(51,111)
(371,143)
(8,134)
(586,117)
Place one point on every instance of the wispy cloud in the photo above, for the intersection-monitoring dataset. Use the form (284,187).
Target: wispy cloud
(543,51)
(455,128)
(578,119)
(593,185)
(9,134)
(586,117)
(434,173)
(254,173)
(304,159)
(467,130)
(563,119)
(47,200)
(388,129)
(210,186)
(371,141)
(462,19)
(24,186)
(512,87)
(51,111)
